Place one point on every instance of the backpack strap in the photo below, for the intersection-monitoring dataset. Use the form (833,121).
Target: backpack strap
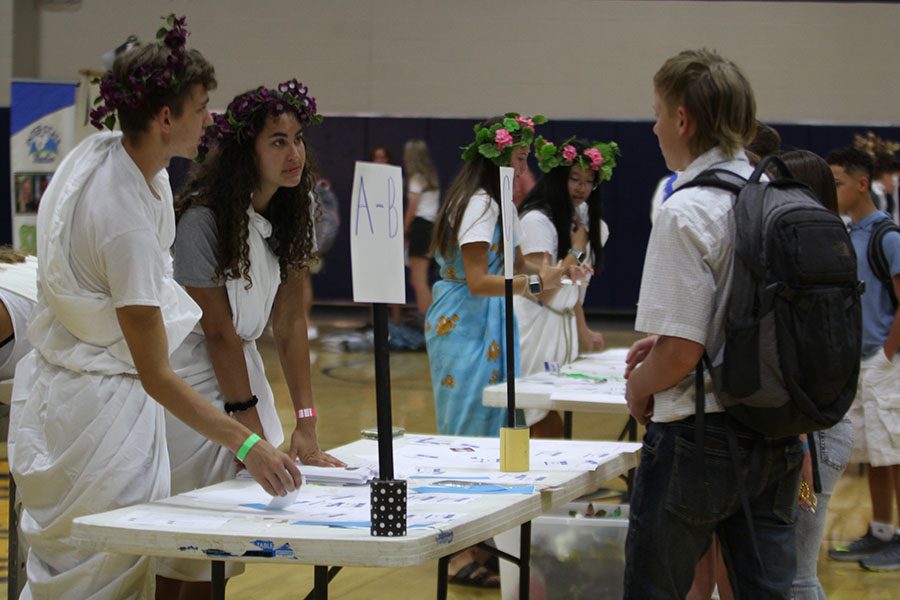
(722,179)
(764,165)
(877,260)
(734,450)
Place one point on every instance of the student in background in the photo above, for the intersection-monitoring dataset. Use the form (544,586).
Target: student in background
(18,295)
(833,445)
(464,327)
(423,201)
(561,217)
(875,413)
(381,155)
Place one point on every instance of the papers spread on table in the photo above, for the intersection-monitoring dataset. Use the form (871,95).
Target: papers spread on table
(433,506)
(419,453)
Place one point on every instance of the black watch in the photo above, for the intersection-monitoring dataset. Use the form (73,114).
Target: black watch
(534,285)
(578,254)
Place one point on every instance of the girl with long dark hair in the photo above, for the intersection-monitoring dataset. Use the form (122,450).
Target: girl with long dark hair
(561,216)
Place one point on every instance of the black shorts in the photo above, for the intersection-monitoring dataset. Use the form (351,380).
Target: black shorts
(420,237)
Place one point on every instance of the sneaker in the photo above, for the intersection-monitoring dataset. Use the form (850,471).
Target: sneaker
(888,559)
(864,547)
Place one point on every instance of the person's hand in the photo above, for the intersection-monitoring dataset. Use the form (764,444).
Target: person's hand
(579,272)
(549,274)
(274,470)
(305,447)
(591,341)
(641,408)
(637,353)
(580,237)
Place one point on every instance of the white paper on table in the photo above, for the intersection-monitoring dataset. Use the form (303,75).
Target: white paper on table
(484,454)
(499,478)
(282,502)
(376,234)
(349,475)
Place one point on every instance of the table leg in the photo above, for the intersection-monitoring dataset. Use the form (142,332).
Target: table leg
(321,582)
(218,580)
(567,424)
(12,561)
(443,566)
(525,561)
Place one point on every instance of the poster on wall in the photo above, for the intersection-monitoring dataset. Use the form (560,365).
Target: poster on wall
(42,131)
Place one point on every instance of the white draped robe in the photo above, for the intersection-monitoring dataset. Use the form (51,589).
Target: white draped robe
(85,437)
(196,461)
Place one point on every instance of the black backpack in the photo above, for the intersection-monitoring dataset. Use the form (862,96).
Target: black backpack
(794,320)
(878,261)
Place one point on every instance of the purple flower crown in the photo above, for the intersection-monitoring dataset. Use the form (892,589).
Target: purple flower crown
(146,81)
(236,123)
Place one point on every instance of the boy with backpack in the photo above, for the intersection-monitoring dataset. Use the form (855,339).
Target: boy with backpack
(705,115)
(876,410)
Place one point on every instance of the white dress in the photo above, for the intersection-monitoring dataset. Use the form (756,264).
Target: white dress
(197,461)
(85,437)
(548,332)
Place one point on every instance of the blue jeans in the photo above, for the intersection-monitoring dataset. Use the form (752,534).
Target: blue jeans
(833,448)
(677,503)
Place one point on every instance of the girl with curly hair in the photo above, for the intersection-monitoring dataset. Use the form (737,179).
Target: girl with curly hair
(244,239)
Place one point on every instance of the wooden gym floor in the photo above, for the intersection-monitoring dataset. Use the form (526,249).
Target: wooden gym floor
(343,384)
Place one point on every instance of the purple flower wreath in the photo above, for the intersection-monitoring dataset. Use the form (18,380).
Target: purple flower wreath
(236,123)
(147,80)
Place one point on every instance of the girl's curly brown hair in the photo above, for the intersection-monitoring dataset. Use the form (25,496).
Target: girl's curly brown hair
(225,182)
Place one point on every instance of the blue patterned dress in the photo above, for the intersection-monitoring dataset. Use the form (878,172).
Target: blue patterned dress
(464,335)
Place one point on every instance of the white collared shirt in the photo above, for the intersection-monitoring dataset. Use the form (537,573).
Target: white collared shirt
(687,275)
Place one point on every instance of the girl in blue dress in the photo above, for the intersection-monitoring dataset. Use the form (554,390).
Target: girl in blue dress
(465,325)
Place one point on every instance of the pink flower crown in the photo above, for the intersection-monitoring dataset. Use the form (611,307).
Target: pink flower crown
(599,157)
(498,141)
(146,81)
(236,124)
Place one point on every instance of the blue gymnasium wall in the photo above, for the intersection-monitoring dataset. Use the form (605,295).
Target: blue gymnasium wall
(340,141)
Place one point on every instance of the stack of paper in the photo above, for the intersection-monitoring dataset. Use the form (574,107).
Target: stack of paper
(359,475)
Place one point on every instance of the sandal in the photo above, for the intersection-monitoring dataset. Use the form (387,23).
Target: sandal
(476,575)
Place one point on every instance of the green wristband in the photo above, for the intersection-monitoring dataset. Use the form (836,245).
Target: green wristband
(248,443)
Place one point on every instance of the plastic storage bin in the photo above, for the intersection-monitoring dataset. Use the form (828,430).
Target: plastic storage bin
(572,557)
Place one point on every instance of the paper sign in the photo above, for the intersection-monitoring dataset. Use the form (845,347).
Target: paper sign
(376,234)
(507,176)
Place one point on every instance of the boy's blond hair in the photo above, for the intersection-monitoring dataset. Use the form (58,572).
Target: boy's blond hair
(715,92)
